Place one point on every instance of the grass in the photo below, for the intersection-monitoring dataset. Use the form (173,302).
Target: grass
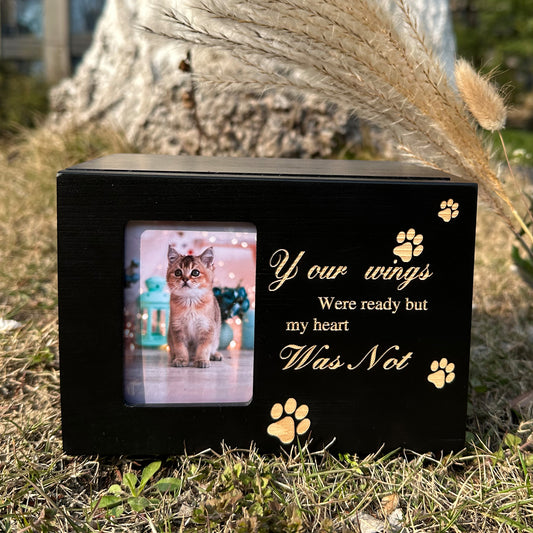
(486,487)
(519,145)
(23,99)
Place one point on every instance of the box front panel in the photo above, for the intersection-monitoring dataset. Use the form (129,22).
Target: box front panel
(362,302)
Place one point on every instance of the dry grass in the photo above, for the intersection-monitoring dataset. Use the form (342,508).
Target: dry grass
(487,487)
(502,333)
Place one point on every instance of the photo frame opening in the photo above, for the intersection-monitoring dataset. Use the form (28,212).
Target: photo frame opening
(189,313)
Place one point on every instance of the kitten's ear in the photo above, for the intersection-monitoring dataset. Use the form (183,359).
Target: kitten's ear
(172,254)
(207,257)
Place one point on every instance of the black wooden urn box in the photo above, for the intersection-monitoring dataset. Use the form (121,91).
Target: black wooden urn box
(344,291)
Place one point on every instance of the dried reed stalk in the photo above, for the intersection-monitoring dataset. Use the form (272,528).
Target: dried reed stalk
(354,53)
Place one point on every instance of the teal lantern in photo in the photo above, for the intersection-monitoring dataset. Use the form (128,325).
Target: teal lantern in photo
(154,310)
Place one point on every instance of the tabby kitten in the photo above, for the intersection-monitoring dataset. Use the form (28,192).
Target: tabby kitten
(194,324)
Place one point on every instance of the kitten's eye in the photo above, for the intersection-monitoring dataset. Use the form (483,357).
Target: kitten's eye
(195,273)
(178,273)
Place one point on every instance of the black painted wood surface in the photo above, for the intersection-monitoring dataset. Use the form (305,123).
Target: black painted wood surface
(381,378)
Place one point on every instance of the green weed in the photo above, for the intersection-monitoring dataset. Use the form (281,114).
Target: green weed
(132,492)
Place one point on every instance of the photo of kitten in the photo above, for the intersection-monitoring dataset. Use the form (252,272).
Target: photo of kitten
(189,312)
(194,323)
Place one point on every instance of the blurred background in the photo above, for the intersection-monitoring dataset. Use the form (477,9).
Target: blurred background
(26,44)
(43,42)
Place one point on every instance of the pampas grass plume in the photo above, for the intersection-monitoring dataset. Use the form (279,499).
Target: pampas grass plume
(481,97)
(357,54)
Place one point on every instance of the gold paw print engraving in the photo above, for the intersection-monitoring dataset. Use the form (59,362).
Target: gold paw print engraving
(442,373)
(448,210)
(409,245)
(285,429)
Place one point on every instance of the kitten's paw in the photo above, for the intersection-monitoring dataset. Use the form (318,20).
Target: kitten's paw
(217,356)
(179,362)
(201,363)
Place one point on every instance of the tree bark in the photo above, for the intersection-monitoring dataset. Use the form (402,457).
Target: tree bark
(143,87)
